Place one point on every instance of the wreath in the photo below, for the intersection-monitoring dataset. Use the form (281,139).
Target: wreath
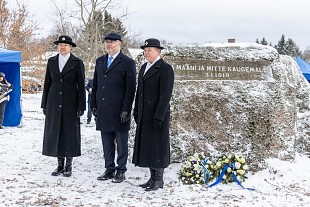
(198,169)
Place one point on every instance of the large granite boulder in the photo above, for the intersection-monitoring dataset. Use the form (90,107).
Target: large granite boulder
(237,98)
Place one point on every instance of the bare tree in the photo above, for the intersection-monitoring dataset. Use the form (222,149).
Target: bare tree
(4,23)
(18,31)
(92,21)
(60,16)
(86,23)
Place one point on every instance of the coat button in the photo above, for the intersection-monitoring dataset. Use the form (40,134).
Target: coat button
(60,80)
(103,99)
(105,76)
(60,92)
(60,106)
(103,87)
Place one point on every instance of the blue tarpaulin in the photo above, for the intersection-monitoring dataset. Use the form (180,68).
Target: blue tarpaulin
(10,66)
(304,67)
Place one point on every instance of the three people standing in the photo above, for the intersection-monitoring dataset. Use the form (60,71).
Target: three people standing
(111,102)
(63,103)
(152,115)
(112,96)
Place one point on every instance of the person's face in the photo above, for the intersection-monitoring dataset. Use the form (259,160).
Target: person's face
(112,46)
(64,49)
(1,78)
(151,53)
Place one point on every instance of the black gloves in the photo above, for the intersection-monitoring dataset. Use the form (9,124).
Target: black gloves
(79,113)
(157,124)
(124,117)
(94,111)
(44,111)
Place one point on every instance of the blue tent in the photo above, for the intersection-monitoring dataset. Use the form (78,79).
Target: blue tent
(10,66)
(304,67)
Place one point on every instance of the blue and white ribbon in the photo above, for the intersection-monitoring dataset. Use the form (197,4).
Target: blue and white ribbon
(206,174)
(219,179)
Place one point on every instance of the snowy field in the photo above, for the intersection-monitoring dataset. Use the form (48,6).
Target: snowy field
(25,178)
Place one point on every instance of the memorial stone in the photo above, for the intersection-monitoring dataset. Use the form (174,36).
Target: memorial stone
(237,98)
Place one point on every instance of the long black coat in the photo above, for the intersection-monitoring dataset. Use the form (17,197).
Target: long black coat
(152,149)
(63,95)
(113,91)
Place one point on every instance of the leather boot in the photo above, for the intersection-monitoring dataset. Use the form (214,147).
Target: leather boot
(60,167)
(68,167)
(150,181)
(158,181)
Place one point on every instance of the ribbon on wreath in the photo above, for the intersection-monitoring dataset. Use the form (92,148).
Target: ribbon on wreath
(219,179)
(206,174)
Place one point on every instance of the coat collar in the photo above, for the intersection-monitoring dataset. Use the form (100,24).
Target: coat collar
(71,63)
(117,60)
(152,70)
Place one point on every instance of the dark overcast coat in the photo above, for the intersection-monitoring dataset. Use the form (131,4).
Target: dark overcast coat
(63,95)
(113,91)
(151,148)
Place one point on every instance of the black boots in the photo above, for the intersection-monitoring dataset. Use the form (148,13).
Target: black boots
(158,180)
(68,167)
(61,168)
(150,181)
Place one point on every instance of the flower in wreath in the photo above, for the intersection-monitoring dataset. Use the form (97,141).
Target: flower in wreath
(192,170)
(236,165)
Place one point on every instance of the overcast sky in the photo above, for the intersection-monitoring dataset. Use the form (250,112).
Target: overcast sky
(201,21)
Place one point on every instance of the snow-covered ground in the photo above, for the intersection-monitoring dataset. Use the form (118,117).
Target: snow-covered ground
(25,178)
